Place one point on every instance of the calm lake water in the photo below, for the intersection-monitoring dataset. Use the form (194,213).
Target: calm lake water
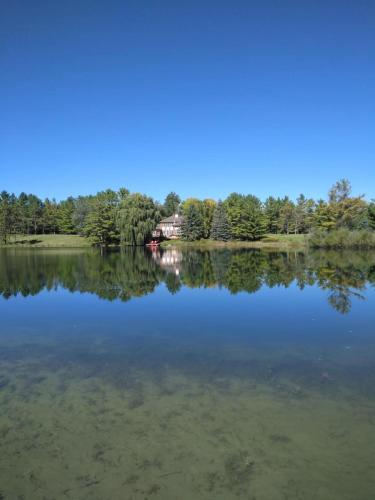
(187,375)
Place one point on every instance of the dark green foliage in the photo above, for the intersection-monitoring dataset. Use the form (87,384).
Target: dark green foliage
(6,215)
(104,218)
(171,204)
(192,227)
(220,229)
(208,208)
(100,222)
(272,211)
(50,217)
(33,215)
(137,217)
(245,216)
(82,207)
(65,216)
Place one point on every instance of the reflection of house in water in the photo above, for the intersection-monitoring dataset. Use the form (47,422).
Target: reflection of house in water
(169,228)
(169,260)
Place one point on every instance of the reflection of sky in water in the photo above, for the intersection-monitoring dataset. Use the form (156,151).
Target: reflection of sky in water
(267,314)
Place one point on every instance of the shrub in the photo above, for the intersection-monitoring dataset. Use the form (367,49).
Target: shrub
(342,238)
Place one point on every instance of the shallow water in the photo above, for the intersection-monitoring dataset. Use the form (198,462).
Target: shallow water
(187,375)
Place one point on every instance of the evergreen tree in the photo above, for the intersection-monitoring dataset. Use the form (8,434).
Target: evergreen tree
(5,216)
(23,222)
(49,219)
(192,228)
(220,229)
(208,208)
(34,211)
(65,216)
(82,207)
(171,204)
(245,216)
(100,223)
(371,214)
(287,216)
(272,210)
(342,210)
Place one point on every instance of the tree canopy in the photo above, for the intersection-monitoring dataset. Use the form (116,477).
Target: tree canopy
(112,217)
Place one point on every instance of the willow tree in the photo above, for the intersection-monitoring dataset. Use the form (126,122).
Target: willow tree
(137,218)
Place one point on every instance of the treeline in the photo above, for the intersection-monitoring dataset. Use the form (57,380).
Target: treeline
(120,217)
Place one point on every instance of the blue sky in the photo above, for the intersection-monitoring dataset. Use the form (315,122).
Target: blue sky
(200,97)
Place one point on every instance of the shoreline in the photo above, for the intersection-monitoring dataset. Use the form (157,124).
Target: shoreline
(274,242)
(56,241)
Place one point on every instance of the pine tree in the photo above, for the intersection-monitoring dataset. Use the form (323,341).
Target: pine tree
(246,218)
(100,223)
(5,216)
(65,216)
(192,228)
(220,229)
(171,204)
(371,214)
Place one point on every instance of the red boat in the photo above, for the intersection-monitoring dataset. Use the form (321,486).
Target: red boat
(153,243)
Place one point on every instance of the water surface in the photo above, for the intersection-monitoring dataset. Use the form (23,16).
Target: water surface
(181,375)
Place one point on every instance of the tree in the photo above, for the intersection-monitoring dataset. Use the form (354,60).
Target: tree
(82,207)
(287,216)
(137,218)
(303,214)
(100,223)
(324,217)
(342,210)
(371,214)
(5,216)
(49,219)
(272,210)
(192,228)
(208,208)
(245,216)
(65,216)
(171,204)
(340,191)
(23,221)
(34,211)
(220,228)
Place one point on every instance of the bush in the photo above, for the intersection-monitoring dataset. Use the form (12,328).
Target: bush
(342,238)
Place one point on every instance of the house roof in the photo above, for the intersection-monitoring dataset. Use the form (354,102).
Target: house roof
(173,219)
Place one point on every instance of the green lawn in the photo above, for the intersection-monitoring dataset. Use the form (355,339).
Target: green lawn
(276,241)
(49,241)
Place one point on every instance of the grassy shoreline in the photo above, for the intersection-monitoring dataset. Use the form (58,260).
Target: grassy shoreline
(274,241)
(48,241)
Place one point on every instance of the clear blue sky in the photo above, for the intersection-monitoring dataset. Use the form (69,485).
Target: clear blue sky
(200,97)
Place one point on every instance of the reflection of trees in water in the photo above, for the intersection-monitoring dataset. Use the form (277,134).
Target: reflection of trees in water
(115,275)
(344,275)
(136,272)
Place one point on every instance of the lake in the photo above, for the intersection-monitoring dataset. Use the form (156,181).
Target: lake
(224,374)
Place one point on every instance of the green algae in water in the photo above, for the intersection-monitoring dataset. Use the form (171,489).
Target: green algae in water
(109,400)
